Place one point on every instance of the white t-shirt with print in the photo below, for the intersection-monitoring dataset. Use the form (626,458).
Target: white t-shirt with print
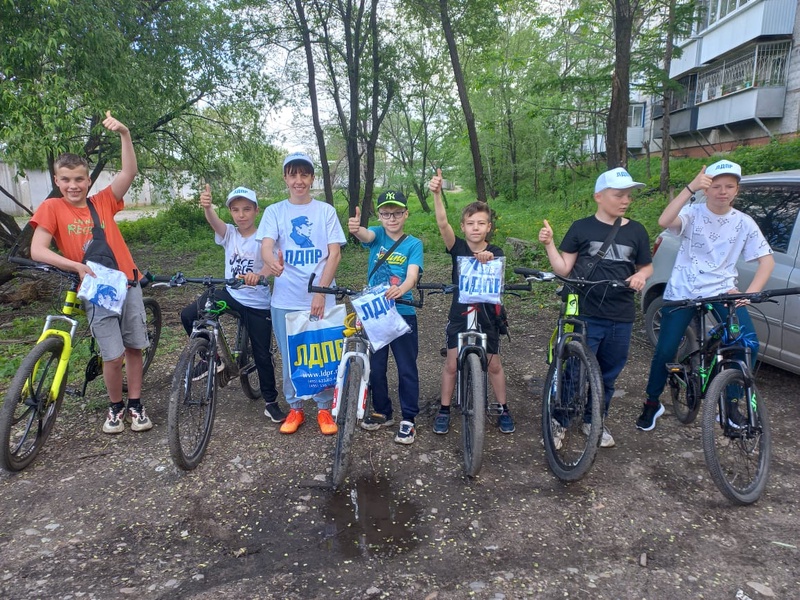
(710,246)
(243,255)
(302,232)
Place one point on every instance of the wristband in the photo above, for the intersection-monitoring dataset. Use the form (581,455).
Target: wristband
(691,191)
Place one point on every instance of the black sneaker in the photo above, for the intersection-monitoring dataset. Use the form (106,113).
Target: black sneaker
(274,412)
(650,412)
(375,421)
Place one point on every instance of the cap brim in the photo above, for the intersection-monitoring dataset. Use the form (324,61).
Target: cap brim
(391,203)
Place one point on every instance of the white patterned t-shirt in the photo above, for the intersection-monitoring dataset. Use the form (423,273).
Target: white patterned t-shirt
(243,255)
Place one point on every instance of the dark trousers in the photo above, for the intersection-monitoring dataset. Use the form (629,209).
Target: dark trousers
(674,321)
(610,342)
(259,329)
(405,350)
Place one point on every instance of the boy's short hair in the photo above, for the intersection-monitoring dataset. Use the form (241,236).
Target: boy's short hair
(476,207)
(69,160)
(298,162)
(724,167)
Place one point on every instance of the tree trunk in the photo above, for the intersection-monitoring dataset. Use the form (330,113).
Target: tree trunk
(617,122)
(469,117)
(666,140)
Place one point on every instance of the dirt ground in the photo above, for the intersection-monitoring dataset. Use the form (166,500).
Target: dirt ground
(100,516)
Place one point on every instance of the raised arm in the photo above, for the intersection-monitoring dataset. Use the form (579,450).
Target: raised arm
(217,224)
(561,263)
(435,186)
(362,233)
(123,180)
(669,218)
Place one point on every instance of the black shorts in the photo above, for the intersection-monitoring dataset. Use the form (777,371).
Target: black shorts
(456,326)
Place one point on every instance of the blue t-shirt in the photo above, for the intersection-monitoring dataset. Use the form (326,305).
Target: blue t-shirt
(394,269)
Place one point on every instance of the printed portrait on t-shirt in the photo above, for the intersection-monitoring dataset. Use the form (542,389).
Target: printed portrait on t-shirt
(301,232)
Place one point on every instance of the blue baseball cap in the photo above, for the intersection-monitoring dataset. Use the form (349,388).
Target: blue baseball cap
(298,157)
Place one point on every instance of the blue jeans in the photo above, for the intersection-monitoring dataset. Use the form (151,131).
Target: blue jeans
(325,397)
(610,341)
(674,321)
(405,350)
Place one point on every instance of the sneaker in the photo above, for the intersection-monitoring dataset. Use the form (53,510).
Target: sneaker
(138,419)
(326,423)
(505,423)
(606,440)
(293,421)
(558,434)
(441,424)
(405,435)
(115,420)
(735,418)
(650,412)
(274,412)
(375,421)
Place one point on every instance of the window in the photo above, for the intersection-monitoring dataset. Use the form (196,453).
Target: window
(636,115)
(774,208)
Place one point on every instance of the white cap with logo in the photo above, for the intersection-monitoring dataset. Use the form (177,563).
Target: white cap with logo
(618,179)
(241,192)
(724,167)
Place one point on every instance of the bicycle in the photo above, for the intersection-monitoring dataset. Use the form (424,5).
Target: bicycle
(573,393)
(736,444)
(472,368)
(211,359)
(36,392)
(351,391)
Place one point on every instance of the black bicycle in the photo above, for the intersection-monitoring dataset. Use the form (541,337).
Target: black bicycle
(216,353)
(735,424)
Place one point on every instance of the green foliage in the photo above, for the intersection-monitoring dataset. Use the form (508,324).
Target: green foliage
(775,156)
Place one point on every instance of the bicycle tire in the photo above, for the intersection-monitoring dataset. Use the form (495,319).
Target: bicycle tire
(685,392)
(737,458)
(153,322)
(573,382)
(192,404)
(29,411)
(248,374)
(473,414)
(346,420)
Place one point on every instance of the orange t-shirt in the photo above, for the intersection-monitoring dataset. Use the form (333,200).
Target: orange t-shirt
(71,227)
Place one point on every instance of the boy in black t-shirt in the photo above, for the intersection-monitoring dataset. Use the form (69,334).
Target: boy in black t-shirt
(476,223)
(608,312)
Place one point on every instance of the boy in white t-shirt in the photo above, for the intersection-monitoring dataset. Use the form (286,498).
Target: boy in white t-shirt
(252,302)
(300,236)
(713,236)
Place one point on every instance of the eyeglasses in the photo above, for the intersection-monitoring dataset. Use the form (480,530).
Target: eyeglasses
(391,216)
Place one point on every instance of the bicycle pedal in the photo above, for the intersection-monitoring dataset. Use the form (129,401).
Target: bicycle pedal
(675,368)
(494,409)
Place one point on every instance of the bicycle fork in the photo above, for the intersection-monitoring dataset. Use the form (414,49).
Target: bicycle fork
(363,387)
(63,359)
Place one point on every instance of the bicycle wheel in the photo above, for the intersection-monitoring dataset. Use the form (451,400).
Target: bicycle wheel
(248,374)
(30,409)
(737,453)
(192,402)
(152,312)
(346,420)
(473,411)
(684,391)
(573,392)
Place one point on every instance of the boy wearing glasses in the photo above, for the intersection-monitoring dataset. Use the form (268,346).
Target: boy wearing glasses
(400,269)
(476,224)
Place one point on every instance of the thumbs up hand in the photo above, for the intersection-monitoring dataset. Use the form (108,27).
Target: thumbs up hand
(702,181)
(546,234)
(435,184)
(112,124)
(354,223)
(205,198)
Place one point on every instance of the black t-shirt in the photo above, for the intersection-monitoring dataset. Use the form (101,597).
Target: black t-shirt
(457,309)
(630,247)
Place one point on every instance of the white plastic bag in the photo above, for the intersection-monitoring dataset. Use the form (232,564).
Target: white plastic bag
(480,282)
(108,289)
(379,317)
(315,348)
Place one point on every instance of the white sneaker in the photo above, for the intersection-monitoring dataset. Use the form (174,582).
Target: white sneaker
(606,441)
(558,433)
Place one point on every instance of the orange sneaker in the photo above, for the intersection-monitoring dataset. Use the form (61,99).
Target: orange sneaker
(293,421)
(326,424)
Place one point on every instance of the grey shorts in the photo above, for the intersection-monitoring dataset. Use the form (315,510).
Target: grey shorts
(113,332)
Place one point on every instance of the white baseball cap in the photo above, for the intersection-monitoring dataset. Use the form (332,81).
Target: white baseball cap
(618,179)
(241,192)
(298,156)
(724,167)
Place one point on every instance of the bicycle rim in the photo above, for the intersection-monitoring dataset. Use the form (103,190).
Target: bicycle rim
(29,410)
(738,458)
(572,396)
(248,374)
(473,411)
(346,421)
(192,403)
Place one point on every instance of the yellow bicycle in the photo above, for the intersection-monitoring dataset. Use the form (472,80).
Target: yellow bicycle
(35,395)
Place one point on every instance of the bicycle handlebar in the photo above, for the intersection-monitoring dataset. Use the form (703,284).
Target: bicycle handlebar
(180,279)
(449,288)
(753,297)
(341,292)
(543,276)
(47,268)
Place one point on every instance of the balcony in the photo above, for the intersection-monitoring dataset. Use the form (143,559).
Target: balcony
(741,105)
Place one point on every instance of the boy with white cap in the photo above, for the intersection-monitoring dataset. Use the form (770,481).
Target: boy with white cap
(252,301)
(713,236)
(608,312)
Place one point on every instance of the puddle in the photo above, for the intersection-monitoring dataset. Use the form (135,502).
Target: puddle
(365,519)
